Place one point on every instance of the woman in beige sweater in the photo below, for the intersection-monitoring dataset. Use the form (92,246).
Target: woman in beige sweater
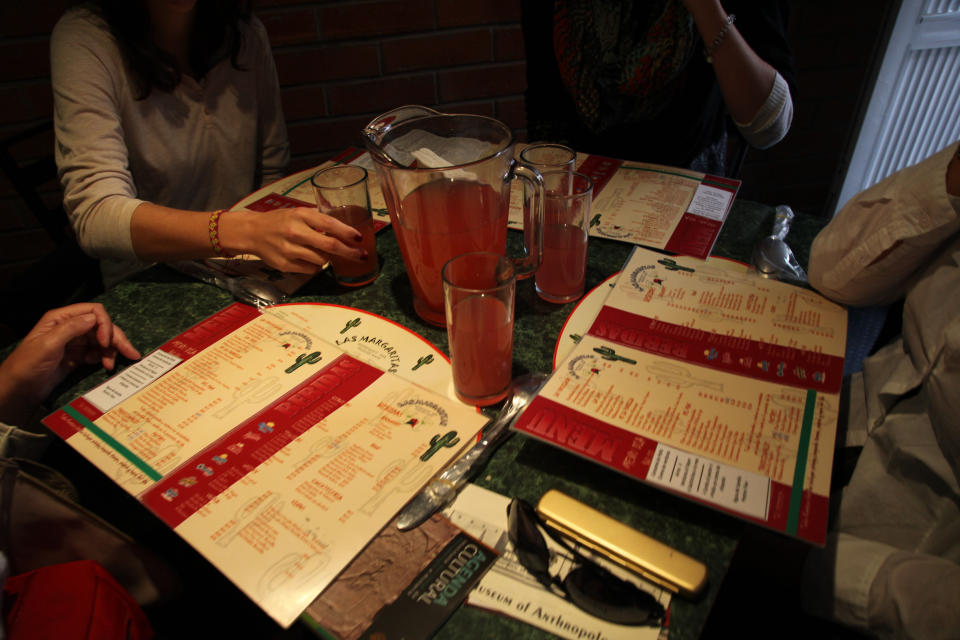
(167,111)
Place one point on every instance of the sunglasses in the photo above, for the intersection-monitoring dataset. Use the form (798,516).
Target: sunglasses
(589,586)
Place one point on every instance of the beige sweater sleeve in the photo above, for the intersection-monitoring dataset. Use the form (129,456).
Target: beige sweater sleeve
(91,154)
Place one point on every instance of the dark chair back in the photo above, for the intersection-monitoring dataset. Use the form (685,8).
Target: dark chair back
(29,176)
(64,275)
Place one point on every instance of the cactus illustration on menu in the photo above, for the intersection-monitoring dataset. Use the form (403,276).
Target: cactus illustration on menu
(609,354)
(672,265)
(351,324)
(422,360)
(437,442)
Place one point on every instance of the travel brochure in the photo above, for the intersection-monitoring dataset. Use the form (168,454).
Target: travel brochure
(510,590)
(278,443)
(708,381)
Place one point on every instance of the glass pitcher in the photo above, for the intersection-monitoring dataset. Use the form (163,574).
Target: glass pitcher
(446,182)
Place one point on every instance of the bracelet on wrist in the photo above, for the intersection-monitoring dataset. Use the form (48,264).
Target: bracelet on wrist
(709,51)
(213,229)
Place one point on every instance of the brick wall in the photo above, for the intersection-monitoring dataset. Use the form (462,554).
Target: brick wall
(341,62)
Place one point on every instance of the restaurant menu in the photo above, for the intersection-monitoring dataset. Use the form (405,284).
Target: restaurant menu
(277,443)
(678,210)
(710,382)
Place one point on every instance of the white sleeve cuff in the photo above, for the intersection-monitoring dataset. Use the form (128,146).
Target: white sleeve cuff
(837,579)
(773,120)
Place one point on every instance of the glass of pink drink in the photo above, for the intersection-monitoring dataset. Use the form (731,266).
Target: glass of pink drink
(478,295)
(561,277)
(341,193)
(544,157)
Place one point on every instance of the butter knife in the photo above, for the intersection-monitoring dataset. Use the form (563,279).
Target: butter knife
(258,293)
(444,488)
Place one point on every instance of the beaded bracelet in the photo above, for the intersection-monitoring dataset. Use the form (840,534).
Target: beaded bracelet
(708,53)
(214,231)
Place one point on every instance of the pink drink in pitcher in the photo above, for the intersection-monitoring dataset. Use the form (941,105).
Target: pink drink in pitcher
(443,219)
(446,181)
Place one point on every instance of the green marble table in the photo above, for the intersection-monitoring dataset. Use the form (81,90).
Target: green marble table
(159,303)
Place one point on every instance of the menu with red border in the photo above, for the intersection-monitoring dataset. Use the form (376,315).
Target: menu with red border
(275,453)
(660,207)
(710,382)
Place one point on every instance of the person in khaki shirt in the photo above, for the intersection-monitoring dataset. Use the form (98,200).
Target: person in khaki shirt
(892,562)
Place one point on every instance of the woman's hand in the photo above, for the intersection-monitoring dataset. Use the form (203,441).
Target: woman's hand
(62,340)
(296,240)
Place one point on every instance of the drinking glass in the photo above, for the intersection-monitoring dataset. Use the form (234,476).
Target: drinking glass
(544,157)
(478,296)
(562,274)
(548,156)
(342,193)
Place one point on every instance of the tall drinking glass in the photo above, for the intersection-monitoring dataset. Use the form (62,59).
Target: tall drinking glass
(478,293)
(544,157)
(548,156)
(561,277)
(342,193)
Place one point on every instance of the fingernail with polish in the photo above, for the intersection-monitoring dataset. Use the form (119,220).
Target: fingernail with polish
(358,238)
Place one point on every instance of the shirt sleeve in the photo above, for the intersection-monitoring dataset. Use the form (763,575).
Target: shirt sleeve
(765,31)
(99,194)
(773,120)
(275,146)
(873,248)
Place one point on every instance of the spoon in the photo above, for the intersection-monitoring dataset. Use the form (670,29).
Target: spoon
(772,257)
(444,488)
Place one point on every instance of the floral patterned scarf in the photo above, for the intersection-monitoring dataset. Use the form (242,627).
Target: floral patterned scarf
(622,61)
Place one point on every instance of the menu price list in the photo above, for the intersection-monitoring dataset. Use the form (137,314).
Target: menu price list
(696,404)
(272,452)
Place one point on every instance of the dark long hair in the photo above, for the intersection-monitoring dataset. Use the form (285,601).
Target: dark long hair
(216,35)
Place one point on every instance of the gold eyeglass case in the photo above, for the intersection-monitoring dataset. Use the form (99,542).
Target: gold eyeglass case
(622,544)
